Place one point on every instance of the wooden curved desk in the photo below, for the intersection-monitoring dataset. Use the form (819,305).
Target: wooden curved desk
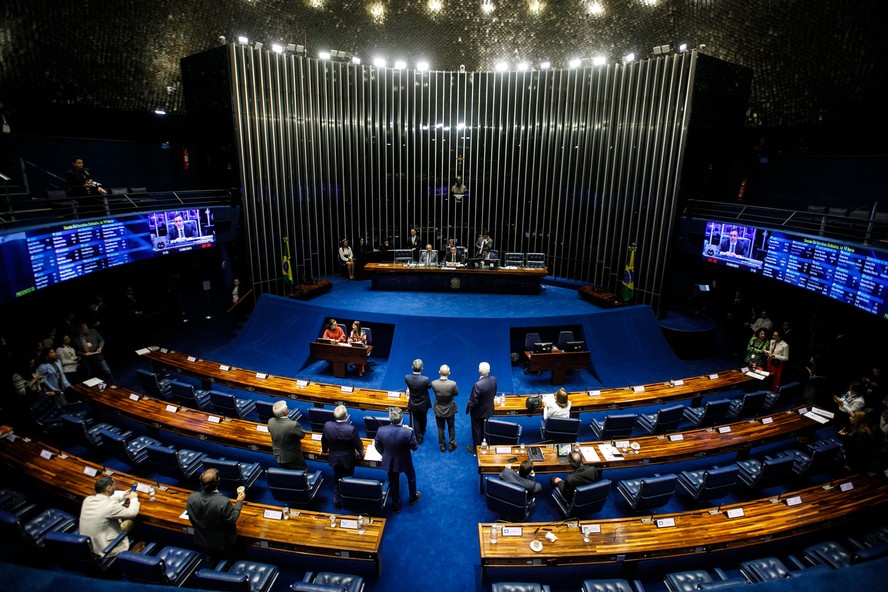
(632,539)
(655,393)
(307,534)
(741,437)
(276,386)
(194,423)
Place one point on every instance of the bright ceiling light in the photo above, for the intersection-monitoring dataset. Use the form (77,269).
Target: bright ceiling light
(629,57)
(400,65)
(422,66)
(535,6)
(277,48)
(599,61)
(523,66)
(356,60)
(575,63)
(487,6)
(435,5)
(545,65)
(595,8)
(243,40)
(379,62)
(324,55)
(501,66)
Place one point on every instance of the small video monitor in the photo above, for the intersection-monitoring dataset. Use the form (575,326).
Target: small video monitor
(542,347)
(574,346)
(358,344)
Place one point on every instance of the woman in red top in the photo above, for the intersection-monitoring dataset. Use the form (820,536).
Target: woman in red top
(334,331)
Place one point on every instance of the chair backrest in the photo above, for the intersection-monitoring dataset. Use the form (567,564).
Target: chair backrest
(368,332)
(150,381)
(714,411)
(752,403)
(287,484)
(655,492)
(363,495)
(562,429)
(774,470)
(618,426)
(116,443)
(142,568)
(183,393)
(668,418)
(318,416)
(717,482)
(514,259)
(264,409)
(224,403)
(373,423)
(501,432)
(563,338)
(230,474)
(71,551)
(507,498)
(530,339)
(164,459)
(591,497)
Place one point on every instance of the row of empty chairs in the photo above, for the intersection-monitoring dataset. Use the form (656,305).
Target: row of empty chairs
(649,493)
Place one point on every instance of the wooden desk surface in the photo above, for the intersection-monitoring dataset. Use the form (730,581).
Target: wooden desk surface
(624,397)
(307,534)
(659,449)
(697,531)
(402,268)
(194,423)
(276,386)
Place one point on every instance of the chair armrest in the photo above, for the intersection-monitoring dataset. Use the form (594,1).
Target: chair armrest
(116,541)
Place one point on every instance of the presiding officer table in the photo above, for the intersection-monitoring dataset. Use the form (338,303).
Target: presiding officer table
(308,533)
(632,539)
(277,386)
(417,278)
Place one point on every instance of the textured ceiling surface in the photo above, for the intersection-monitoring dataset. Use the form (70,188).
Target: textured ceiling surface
(813,60)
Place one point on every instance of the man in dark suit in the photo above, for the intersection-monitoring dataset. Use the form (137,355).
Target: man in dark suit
(341,441)
(285,438)
(394,442)
(734,246)
(418,399)
(480,405)
(524,477)
(581,475)
(182,229)
(214,519)
(453,257)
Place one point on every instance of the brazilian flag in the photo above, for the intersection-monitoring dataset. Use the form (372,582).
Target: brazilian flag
(286,268)
(629,275)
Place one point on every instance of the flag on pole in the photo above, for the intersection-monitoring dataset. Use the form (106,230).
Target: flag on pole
(629,275)
(286,268)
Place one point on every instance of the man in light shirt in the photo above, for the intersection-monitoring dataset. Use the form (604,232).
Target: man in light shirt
(105,515)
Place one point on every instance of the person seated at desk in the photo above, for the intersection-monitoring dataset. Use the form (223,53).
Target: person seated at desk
(489,258)
(454,258)
(181,229)
(557,405)
(734,246)
(581,475)
(334,331)
(524,476)
(357,335)
(428,256)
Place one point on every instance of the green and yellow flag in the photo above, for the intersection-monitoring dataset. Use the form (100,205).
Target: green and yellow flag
(286,268)
(629,275)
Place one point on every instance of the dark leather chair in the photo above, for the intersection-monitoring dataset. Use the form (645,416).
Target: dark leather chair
(666,419)
(766,569)
(242,576)
(710,414)
(507,498)
(74,552)
(46,415)
(33,531)
(179,464)
(155,384)
(836,555)
(710,483)
(512,259)
(132,450)
(86,431)
(318,416)
(171,566)
(529,340)
(14,501)
(264,411)
(749,405)
(784,394)
(819,455)
(373,423)
(230,406)
(561,429)
(364,495)
(519,587)
(298,487)
(698,579)
(233,474)
(648,493)
(563,338)
(614,426)
(758,474)
(611,585)
(497,431)
(326,581)
(588,499)
(186,395)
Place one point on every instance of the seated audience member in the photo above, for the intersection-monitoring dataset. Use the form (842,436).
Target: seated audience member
(347,257)
(859,443)
(756,347)
(762,322)
(357,335)
(523,476)
(849,402)
(428,256)
(581,475)
(55,383)
(557,405)
(386,245)
(104,516)
(334,331)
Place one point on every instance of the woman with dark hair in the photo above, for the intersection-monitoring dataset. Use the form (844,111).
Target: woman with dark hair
(357,335)
(334,331)
(756,346)
(557,405)
(347,257)
(777,353)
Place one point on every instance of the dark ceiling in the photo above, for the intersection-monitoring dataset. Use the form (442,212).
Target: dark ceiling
(814,61)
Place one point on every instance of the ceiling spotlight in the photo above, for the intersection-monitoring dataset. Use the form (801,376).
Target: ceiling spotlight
(243,40)
(277,48)
(664,49)
(535,6)
(501,66)
(379,62)
(574,63)
(545,65)
(595,8)
(356,60)
(324,55)
(629,57)
(257,45)
(422,66)
(682,48)
(435,5)
(400,65)
(159,111)
(487,6)
(599,61)
(221,40)
(523,66)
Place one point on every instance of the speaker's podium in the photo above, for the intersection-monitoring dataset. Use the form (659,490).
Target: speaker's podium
(340,355)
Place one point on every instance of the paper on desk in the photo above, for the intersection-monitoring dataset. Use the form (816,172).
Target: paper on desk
(609,452)
(143,351)
(371,454)
(816,417)
(589,454)
(823,412)
(92,381)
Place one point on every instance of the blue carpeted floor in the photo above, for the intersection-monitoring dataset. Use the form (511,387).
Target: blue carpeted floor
(434,545)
